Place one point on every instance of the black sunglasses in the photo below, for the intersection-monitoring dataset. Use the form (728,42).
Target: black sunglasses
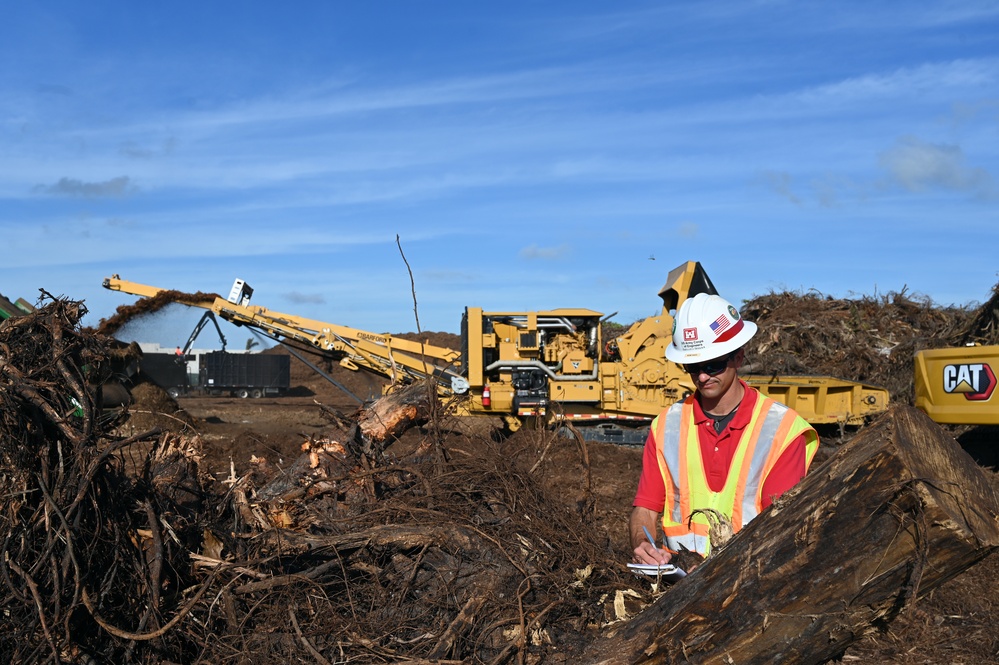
(710,367)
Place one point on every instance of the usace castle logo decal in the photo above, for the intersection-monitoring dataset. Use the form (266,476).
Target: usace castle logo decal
(975,380)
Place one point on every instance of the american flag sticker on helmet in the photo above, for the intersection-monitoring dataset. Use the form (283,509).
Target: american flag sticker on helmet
(720,324)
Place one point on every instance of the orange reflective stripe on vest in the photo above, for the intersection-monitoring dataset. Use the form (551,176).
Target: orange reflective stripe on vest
(772,428)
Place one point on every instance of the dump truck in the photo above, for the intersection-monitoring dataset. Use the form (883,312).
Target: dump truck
(220,373)
(166,370)
(545,366)
(244,374)
(957,385)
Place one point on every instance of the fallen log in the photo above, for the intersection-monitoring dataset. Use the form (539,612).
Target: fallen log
(892,515)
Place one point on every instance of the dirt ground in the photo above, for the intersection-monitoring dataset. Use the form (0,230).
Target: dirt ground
(956,623)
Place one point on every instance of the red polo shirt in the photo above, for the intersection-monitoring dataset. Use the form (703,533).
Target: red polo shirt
(717,450)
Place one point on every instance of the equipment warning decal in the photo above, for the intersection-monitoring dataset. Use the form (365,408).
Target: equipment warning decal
(975,380)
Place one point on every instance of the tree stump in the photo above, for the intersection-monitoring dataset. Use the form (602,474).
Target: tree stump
(895,513)
(391,415)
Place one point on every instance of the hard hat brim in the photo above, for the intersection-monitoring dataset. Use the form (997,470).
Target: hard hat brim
(716,350)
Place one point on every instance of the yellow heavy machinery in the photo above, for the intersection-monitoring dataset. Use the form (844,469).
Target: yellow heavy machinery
(956,385)
(548,366)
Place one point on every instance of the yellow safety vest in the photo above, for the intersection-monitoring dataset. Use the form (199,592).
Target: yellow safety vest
(771,429)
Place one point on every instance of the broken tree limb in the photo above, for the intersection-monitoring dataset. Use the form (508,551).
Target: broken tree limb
(892,515)
(394,536)
(393,414)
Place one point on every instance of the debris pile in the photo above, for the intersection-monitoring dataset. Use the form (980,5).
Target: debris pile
(363,557)
(442,558)
(72,558)
(867,339)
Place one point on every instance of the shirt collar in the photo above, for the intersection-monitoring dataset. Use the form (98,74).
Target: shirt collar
(742,416)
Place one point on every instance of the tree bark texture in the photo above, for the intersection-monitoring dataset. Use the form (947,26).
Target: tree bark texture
(393,414)
(893,514)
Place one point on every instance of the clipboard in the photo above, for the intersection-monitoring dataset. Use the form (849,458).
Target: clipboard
(666,572)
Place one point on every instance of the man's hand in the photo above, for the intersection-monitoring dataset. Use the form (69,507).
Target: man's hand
(644,551)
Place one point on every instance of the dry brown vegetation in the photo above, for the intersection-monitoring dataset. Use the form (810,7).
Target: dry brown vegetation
(219,530)
(869,339)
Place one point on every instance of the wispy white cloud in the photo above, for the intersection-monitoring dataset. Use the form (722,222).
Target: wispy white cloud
(917,165)
(119,186)
(314,104)
(832,189)
(780,182)
(137,150)
(215,233)
(927,80)
(944,14)
(536,253)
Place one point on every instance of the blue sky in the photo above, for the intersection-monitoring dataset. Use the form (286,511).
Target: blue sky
(527,155)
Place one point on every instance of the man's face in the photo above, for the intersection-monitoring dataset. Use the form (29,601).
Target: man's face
(711,383)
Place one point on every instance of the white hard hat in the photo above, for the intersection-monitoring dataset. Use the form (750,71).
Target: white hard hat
(705,328)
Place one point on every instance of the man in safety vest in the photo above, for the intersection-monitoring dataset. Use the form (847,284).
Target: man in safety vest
(727,447)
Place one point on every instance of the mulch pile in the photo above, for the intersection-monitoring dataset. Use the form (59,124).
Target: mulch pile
(868,339)
(434,554)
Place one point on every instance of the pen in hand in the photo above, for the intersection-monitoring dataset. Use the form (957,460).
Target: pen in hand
(652,541)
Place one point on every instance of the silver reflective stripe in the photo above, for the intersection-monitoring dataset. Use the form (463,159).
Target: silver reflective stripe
(691,541)
(768,432)
(671,455)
